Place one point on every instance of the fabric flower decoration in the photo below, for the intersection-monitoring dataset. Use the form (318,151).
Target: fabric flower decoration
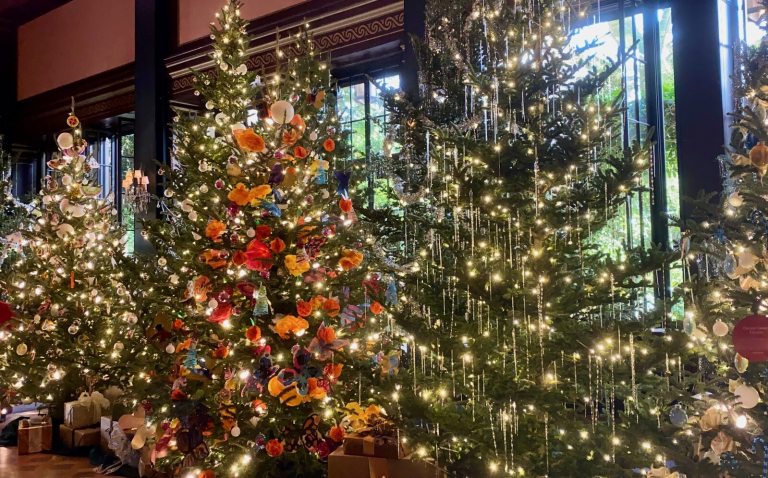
(258,193)
(253,333)
(332,372)
(345,204)
(274,447)
(277,245)
(298,123)
(221,313)
(259,407)
(221,352)
(329,145)
(258,256)
(198,289)
(376,308)
(249,141)
(214,258)
(215,229)
(292,135)
(336,433)
(178,394)
(317,302)
(295,266)
(331,307)
(238,258)
(240,195)
(325,343)
(300,152)
(290,324)
(315,389)
(358,418)
(263,231)
(350,259)
(303,308)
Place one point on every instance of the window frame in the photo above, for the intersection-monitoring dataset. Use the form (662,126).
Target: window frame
(367,80)
(622,11)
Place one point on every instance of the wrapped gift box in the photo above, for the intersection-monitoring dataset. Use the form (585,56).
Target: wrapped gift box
(35,438)
(86,411)
(82,437)
(374,444)
(341,465)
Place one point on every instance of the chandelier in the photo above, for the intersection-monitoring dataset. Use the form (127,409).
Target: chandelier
(136,194)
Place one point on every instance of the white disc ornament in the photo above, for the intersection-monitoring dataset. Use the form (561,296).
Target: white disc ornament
(118,347)
(720,328)
(170,349)
(21,349)
(747,396)
(235,432)
(65,141)
(282,112)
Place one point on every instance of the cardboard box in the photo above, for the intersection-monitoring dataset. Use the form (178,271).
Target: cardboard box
(374,446)
(83,437)
(356,466)
(34,439)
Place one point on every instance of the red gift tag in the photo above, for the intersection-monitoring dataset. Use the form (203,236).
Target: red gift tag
(750,338)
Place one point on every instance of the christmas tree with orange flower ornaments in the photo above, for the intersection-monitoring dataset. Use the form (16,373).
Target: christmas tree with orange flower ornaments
(263,287)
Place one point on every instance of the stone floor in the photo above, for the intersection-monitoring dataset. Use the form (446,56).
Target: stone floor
(43,465)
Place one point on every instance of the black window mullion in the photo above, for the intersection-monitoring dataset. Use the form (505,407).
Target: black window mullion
(655,115)
(367,95)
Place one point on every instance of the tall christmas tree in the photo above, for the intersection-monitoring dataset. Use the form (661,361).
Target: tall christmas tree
(725,295)
(71,322)
(530,344)
(263,292)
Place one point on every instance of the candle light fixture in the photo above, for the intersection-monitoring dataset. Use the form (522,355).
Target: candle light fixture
(136,196)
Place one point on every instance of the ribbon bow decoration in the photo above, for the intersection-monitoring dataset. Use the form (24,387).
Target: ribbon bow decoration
(96,402)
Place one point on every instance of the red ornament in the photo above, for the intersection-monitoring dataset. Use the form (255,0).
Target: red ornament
(750,338)
(6,314)
(72,121)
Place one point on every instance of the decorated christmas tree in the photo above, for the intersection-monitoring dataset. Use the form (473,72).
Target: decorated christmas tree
(533,347)
(263,291)
(70,323)
(725,296)
(12,210)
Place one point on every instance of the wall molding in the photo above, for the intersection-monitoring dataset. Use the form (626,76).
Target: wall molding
(352,32)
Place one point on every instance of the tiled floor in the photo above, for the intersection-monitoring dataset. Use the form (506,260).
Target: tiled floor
(43,465)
